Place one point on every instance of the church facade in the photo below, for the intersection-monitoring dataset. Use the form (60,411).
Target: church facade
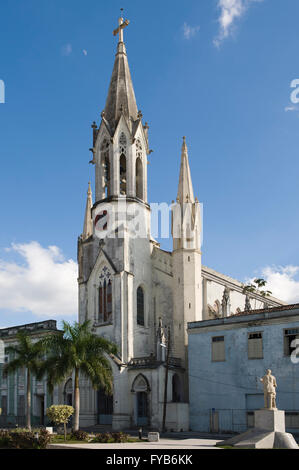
(135,293)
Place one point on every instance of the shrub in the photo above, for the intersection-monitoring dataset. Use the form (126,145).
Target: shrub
(119,437)
(44,438)
(24,439)
(4,438)
(79,435)
(103,438)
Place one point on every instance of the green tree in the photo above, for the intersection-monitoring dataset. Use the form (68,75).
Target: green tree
(256,288)
(78,351)
(60,414)
(28,354)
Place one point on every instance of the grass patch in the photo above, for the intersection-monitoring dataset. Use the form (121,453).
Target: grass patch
(59,439)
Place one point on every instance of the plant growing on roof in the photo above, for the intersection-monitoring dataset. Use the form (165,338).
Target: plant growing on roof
(256,288)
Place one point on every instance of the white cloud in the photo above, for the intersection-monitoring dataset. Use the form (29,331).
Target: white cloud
(66,50)
(230,11)
(190,31)
(283,282)
(44,283)
(84,52)
(291,109)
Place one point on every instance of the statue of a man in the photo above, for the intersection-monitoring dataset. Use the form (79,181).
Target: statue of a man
(269,382)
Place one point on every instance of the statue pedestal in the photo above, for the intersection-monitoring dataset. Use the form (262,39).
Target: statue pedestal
(268,433)
(270,420)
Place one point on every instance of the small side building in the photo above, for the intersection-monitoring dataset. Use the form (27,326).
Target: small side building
(13,387)
(227,358)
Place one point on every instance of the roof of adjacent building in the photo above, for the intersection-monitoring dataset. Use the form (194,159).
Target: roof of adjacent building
(38,327)
(270,309)
(262,315)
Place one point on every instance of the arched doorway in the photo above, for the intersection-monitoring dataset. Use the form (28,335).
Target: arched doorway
(104,407)
(68,393)
(141,408)
(176,389)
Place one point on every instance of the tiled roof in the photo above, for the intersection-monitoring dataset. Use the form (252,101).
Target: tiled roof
(266,310)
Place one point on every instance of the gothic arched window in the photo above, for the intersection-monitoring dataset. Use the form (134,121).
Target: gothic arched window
(122,164)
(105,168)
(105,297)
(109,300)
(139,179)
(140,306)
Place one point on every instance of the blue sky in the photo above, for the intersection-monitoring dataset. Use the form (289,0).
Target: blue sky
(217,71)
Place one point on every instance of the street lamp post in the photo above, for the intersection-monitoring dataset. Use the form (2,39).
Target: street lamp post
(166,380)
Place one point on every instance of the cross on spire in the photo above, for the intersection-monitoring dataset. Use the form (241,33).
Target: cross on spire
(121,25)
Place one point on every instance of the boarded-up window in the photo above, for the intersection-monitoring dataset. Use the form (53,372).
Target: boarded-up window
(250,419)
(289,336)
(255,345)
(292,419)
(218,349)
(214,421)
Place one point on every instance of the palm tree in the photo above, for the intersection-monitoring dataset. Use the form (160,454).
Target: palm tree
(80,351)
(29,355)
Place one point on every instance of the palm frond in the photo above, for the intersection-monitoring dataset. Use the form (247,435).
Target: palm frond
(14,365)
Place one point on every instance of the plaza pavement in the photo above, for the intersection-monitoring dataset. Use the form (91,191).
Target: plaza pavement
(163,444)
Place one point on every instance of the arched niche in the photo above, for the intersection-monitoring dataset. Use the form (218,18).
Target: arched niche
(122,164)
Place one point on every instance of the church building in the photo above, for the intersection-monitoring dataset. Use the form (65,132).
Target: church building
(135,293)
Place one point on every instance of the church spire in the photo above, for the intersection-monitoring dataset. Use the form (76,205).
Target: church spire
(185,190)
(121,96)
(88,227)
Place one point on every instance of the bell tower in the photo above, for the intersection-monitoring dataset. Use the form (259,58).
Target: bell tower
(114,251)
(120,144)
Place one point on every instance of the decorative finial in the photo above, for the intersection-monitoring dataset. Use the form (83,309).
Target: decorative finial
(184,146)
(103,114)
(94,125)
(139,115)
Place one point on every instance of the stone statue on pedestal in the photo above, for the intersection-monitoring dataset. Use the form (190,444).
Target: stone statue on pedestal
(269,430)
(269,382)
